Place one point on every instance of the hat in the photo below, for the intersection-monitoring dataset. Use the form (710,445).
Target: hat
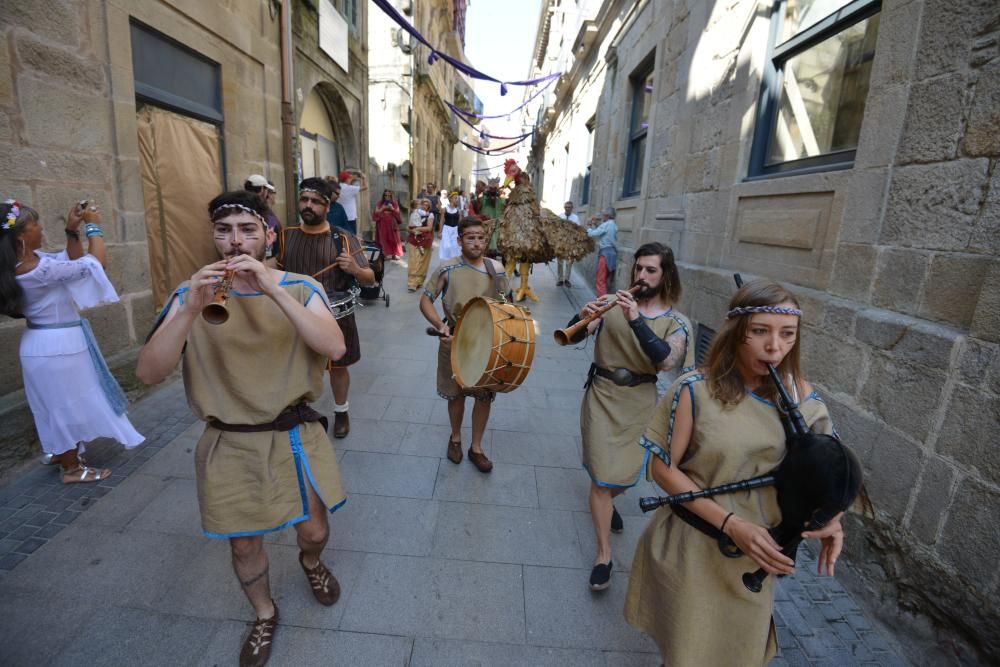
(344,176)
(258,181)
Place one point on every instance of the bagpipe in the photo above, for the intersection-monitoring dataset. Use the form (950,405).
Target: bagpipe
(818,478)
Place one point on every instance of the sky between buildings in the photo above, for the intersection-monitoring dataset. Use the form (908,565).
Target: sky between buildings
(499,41)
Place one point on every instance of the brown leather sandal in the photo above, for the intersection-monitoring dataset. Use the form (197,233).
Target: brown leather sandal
(324,585)
(257,647)
(454,451)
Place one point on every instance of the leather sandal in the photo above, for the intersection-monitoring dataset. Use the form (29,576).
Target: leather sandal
(454,451)
(481,461)
(257,647)
(325,586)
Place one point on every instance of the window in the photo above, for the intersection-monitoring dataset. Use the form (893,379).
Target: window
(349,10)
(642,101)
(815,85)
(585,189)
(173,76)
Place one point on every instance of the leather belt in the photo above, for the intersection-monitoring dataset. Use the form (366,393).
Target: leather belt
(288,419)
(622,377)
(726,544)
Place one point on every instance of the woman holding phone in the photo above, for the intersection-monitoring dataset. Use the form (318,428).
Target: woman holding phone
(73,396)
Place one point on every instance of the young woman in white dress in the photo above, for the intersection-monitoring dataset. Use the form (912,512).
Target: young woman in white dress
(72,395)
(449,230)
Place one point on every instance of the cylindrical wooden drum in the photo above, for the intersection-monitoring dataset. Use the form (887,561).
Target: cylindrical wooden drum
(493,346)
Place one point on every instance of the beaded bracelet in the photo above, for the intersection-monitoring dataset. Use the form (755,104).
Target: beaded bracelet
(90,229)
(73,234)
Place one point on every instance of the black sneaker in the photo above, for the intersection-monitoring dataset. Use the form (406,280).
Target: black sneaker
(616,521)
(600,576)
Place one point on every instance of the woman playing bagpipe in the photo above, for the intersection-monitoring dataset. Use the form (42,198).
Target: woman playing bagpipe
(715,425)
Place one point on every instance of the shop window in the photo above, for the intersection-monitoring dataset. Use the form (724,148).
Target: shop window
(642,102)
(815,85)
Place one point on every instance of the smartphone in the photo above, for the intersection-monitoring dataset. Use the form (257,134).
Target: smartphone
(83,204)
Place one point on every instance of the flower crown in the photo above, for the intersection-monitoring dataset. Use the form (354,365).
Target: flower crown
(11,219)
(777,310)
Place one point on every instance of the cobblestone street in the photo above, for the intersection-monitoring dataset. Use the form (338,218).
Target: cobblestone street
(439,564)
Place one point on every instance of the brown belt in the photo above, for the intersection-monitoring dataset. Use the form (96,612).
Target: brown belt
(289,418)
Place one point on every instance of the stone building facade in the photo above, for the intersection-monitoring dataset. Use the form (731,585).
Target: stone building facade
(418,135)
(85,88)
(331,100)
(852,156)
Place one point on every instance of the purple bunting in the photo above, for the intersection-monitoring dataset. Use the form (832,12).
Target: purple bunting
(436,55)
(469,114)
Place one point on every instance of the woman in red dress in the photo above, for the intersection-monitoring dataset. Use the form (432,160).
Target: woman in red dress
(386,219)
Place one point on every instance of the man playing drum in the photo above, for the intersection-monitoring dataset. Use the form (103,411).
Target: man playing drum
(264,461)
(633,343)
(336,258)
(457,281)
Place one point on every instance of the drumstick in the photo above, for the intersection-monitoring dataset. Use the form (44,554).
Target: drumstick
(431,331)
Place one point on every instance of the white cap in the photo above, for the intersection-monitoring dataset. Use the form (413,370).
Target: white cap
(258,181)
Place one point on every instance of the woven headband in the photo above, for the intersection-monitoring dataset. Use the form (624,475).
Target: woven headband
(776,310)
(325,198)
(237,207)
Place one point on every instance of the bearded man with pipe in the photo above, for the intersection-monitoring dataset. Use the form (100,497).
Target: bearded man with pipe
(634,341)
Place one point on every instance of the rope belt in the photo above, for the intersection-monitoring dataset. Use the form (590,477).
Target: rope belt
(112,390)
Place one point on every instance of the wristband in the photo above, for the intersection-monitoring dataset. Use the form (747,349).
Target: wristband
(73,234)
(90,229)
(722,528)
(652,345)
(579,335)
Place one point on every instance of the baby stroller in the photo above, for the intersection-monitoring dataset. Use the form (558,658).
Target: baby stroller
(376,260)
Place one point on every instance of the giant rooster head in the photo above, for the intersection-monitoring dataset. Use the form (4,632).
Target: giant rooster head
(511,169)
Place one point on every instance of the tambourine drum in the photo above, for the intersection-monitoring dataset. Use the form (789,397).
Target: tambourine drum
(345,306)
(493,346)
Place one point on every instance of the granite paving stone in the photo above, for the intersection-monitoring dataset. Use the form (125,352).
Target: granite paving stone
(493,533)
(561,610)
(450,653)
(507,484)
(373,435)
(538,449)
(389,475)
(435,597)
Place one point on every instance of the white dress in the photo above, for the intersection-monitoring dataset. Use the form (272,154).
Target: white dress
(63,388)
(449,248)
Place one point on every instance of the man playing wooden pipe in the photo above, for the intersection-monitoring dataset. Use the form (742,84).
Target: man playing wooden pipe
(634,341)
(264,461)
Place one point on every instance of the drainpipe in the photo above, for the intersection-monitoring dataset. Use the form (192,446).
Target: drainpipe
(288,113)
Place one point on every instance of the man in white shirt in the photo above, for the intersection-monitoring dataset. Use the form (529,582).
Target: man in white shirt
(565,266)
(350,186)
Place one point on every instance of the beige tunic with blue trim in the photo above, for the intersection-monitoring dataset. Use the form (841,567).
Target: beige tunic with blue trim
(612,418)
(247,371)
(682,591)
(464,284)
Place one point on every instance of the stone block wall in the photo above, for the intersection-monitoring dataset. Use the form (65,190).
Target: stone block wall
(895,260)
(68,131)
